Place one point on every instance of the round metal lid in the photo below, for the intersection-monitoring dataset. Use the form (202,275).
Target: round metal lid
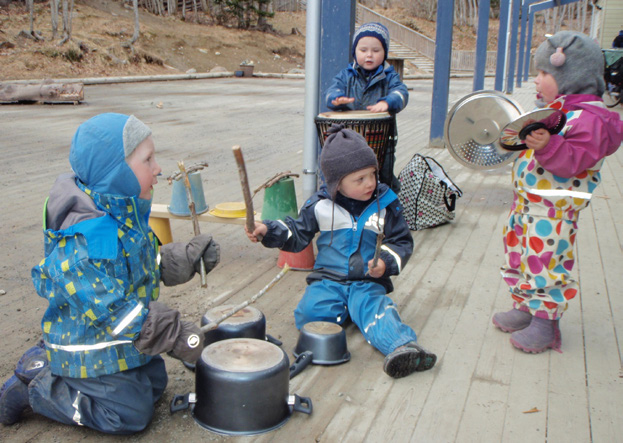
(473,126)
(242,355)
(513,135)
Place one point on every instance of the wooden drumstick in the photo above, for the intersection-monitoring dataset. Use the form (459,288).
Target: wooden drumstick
(246,191)
(214,324)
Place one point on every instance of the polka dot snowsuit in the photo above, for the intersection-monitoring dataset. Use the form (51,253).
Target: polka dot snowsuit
(541,229)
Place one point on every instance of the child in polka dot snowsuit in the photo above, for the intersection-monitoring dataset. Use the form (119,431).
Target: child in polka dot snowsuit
(554,180)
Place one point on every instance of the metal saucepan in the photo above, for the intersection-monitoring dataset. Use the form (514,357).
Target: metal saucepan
(325,341)
(249,322)
(242,388)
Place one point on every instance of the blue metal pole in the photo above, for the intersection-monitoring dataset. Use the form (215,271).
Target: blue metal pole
(500,69)
(441,77)
(522,40)
(513,45)
(528,45)
(481,44)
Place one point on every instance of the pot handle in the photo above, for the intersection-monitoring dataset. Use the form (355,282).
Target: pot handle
(301,362)
(300,404)
(273,340)
(180,402)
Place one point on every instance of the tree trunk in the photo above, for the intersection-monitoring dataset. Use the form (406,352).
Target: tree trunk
(44,92)
(136,24)
(54,17)
(68,8)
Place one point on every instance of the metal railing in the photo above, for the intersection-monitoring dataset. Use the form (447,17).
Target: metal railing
(461,60)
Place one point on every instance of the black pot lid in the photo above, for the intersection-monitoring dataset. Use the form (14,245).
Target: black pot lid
(514,134)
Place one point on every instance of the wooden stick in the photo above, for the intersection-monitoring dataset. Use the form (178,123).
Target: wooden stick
(193,215)
(214,324)
(377,250)
(246,192)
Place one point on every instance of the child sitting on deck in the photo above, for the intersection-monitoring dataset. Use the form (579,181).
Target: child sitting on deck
(350,213)
(98,364)
(554,180)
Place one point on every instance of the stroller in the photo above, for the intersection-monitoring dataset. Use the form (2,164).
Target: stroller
(613,75)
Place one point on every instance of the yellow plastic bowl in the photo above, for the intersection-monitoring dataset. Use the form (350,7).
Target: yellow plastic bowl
(229,210)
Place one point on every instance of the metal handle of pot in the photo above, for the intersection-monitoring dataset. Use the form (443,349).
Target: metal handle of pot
(301,362)
(300,404)
(180,402)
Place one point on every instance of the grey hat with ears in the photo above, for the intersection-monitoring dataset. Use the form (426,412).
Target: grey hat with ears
(575,61)
(344,151)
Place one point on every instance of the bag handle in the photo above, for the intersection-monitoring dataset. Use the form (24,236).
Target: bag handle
(452,204)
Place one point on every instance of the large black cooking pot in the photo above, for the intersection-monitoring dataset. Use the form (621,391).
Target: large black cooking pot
(242,388)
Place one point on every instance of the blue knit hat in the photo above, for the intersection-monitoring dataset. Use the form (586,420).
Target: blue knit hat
(375,30)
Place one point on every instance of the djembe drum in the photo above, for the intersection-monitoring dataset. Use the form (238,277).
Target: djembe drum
(376,127)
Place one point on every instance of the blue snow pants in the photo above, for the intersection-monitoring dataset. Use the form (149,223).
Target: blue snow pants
(121,403)
(365,302)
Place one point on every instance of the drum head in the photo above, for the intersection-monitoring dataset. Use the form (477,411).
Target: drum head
(248,314)
(242,355)
(353,115)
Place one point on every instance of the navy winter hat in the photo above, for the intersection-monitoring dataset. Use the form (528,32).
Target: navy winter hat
(99,149)
(574,60)
(372,29)
(344,151)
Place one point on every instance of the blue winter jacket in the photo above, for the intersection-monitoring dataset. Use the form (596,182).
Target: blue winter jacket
(384,84)
(100,269)
(346,243)
(98,276)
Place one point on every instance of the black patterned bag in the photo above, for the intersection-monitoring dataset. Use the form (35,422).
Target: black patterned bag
(427,194)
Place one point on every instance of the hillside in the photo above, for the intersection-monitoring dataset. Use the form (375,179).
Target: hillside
(167,45)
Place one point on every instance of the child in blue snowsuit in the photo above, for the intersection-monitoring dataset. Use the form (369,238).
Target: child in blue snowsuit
(98,364)
(349,214)
(371,85)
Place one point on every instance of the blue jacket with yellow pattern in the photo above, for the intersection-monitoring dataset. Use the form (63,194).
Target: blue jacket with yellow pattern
(99,274)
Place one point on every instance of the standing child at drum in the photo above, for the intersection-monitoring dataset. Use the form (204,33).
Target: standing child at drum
(371,85)
(349,214)
(98,364)
(554,180)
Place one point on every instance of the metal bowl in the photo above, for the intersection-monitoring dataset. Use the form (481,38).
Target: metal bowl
(326,341)
(473,126)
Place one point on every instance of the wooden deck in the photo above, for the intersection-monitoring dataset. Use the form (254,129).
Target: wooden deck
(481,390)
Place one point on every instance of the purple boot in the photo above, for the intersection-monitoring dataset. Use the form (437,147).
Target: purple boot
(540,335)
(513,320)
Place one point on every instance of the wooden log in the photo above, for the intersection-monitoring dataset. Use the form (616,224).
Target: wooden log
(43,92)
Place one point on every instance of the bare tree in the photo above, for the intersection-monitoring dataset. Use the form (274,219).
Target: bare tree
(68,7)
(136,24)
(54,17)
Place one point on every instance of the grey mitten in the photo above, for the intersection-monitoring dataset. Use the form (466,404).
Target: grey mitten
(179,261)
(203,247)
(163,331)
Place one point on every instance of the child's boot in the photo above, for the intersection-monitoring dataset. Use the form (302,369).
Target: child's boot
(540,335)
(513,320)
(13,400)
(407,359)
(31,363)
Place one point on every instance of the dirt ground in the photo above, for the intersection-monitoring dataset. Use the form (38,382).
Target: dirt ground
(167,45)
